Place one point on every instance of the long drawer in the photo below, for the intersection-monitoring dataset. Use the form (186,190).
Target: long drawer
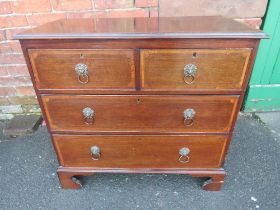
(83,69)
(140,114)
(140,151)
(186,69)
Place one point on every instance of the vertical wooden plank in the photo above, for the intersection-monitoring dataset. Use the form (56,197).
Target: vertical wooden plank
(265,57)
(264,86)
(275,76)
(273,51)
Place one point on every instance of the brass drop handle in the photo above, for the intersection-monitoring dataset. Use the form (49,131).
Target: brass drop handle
(82,72)
(95,152)
(89,114)
(190,71)
(189,115)
(184,155)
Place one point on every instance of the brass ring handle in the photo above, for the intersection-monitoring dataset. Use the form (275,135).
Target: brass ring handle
(189,115)
(190,71)
(95,152)
(82,72)
(188,122)
(83,78)
(89,114)
(184,155)
(189,79)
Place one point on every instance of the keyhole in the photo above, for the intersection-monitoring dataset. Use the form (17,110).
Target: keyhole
(82,55)
(194,55)
(138,100)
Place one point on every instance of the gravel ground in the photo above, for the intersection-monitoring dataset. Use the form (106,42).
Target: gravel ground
(28,179)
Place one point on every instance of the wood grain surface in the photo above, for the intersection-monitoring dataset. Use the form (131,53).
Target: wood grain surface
(140,151)
(136,88)
(153,27)
(216,69)
(107,69)
(140,114)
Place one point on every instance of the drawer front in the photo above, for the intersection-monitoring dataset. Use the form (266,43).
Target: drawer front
(97,69)
(181,70)
(140,151)
(137,113)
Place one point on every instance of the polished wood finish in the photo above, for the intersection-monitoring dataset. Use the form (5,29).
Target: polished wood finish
(140,114)
(154,27)
(138,44)
(71,181)
(215,182)
(216,69)
(132,151)
(70,176)
(107,69)
(139,109)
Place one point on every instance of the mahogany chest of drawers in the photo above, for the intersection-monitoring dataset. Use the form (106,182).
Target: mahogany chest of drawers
(141,95)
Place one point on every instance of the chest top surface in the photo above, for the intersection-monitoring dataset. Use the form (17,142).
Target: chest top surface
(154,27)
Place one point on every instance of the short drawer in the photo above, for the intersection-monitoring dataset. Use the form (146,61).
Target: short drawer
(140,151)
(186,69)
(137,114)
(83,69)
